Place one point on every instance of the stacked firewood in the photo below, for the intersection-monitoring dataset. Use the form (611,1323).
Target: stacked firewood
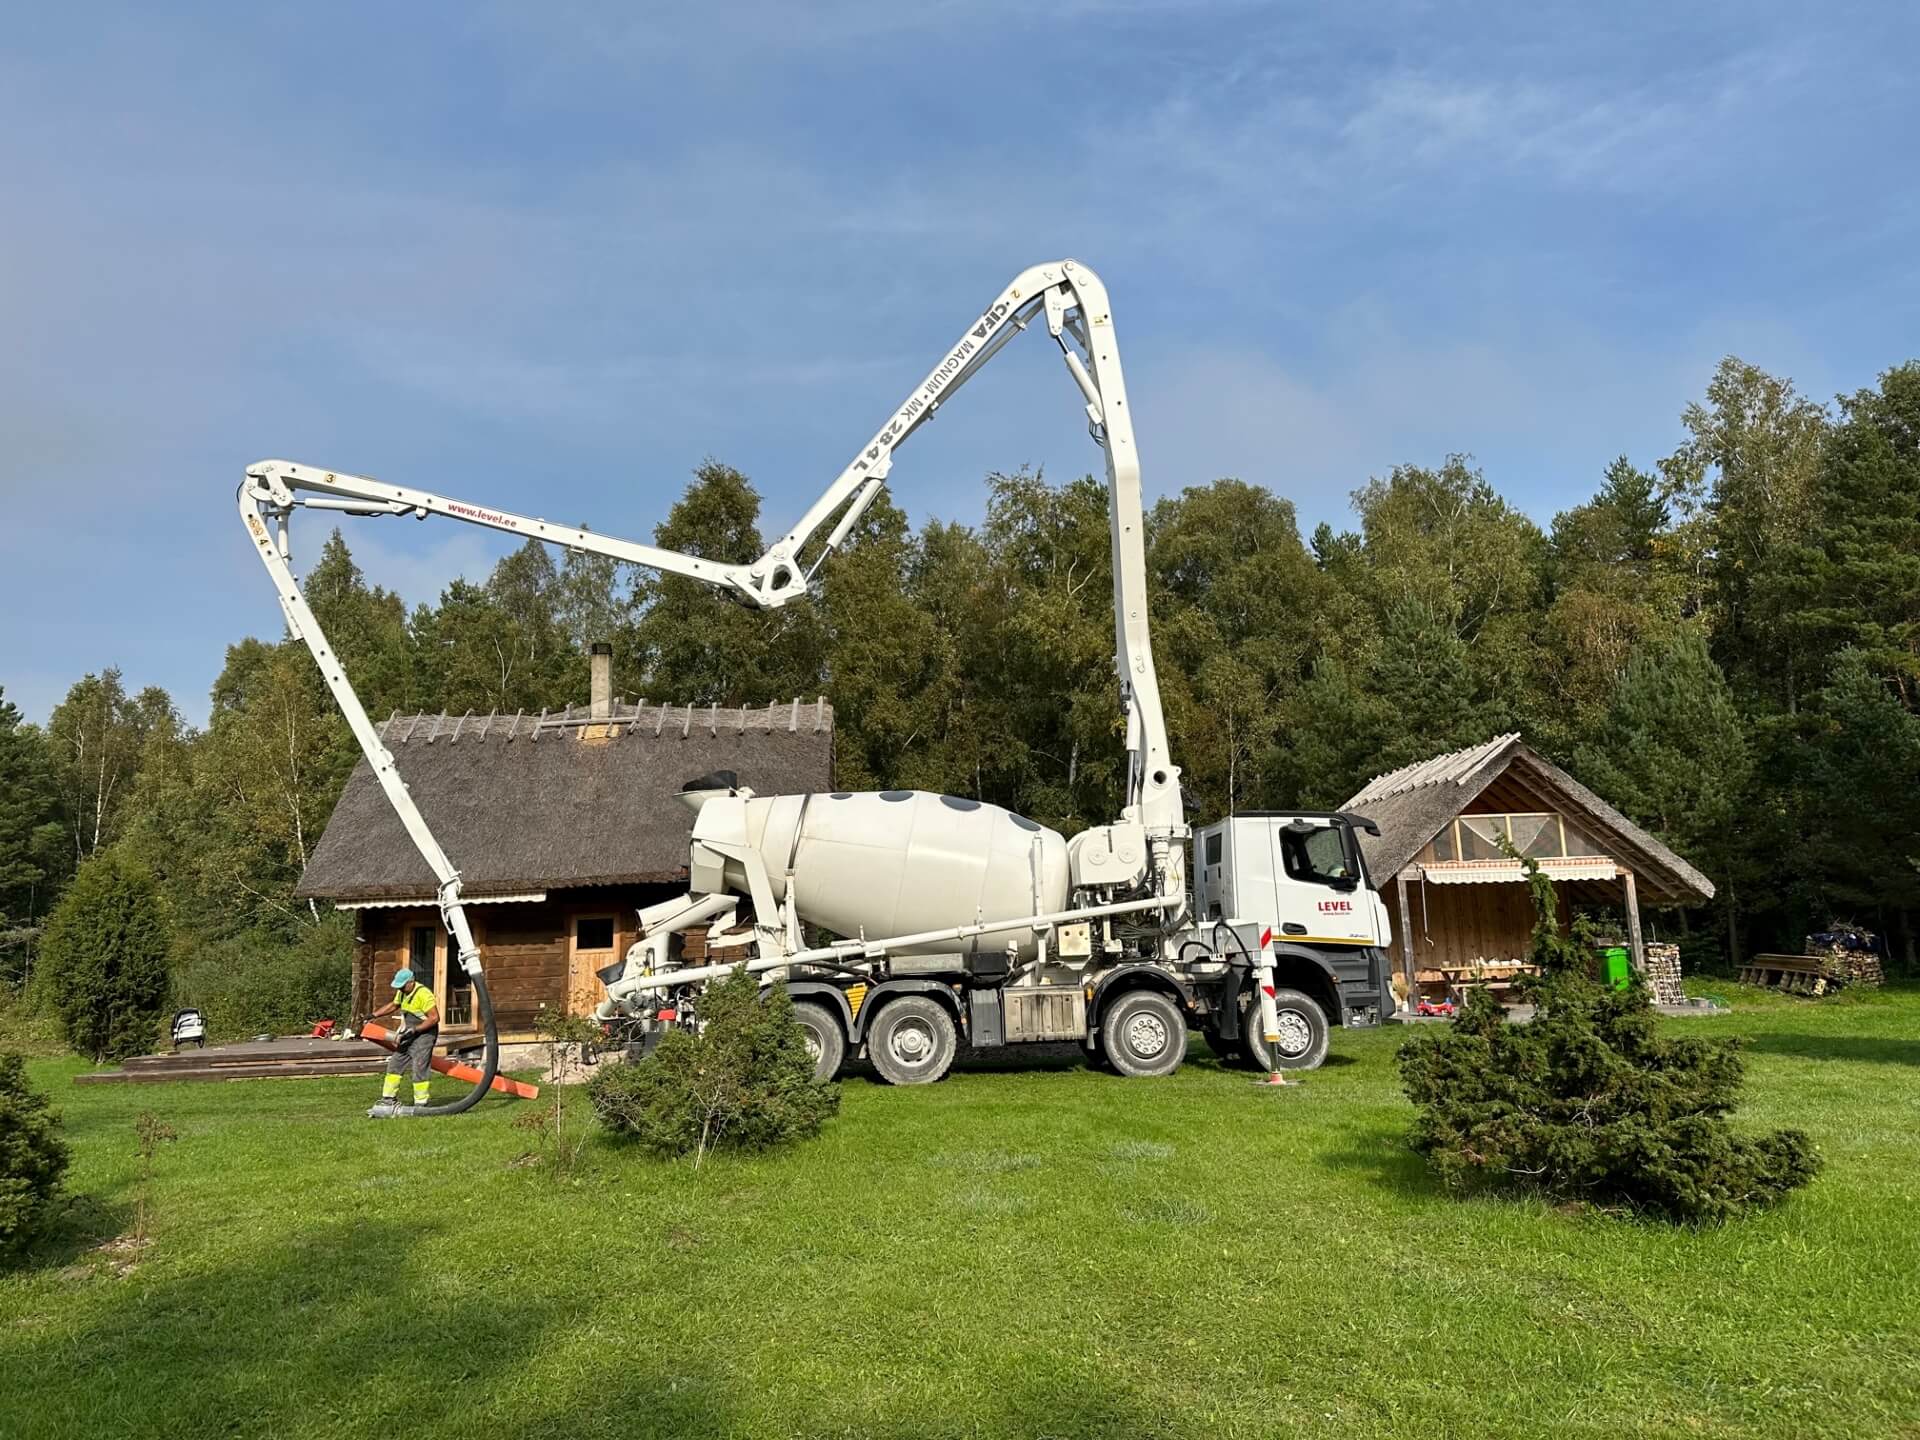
(1663,974)
(1848,956)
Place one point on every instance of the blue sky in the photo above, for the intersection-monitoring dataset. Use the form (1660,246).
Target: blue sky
(551,257)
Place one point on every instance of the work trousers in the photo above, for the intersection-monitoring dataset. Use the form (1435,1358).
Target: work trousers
(413,1053)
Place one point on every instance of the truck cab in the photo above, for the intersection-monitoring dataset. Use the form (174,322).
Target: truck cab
(1301,874)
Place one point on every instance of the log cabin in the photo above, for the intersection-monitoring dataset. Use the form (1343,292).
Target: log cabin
(562,826)
(1459,903)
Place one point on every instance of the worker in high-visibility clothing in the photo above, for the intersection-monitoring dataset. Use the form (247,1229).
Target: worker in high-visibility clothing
(419,1016)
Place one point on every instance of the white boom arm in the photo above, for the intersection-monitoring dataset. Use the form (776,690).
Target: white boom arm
(1074,303)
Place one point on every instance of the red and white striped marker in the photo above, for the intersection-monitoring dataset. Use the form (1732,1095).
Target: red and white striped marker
(1269,1017)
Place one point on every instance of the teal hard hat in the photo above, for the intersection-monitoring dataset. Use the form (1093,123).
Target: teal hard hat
(401,977)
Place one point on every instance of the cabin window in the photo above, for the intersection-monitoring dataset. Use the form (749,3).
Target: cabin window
(1541,835)
(1578,844)
(1318,857)
(593,932)
(1536,835)
(422,949)
(1481,837)
(456,1004)
(1213,848)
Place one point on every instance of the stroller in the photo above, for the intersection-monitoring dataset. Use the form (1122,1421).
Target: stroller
(189,1025)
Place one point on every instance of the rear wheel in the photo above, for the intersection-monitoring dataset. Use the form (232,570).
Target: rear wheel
(1143,1033)
(1302,1026)
(912,1041)
(825,1040)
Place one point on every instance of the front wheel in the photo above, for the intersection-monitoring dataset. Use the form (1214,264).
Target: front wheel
(825,1040)
(1143,1033)
(1302,1026)
(912,1041)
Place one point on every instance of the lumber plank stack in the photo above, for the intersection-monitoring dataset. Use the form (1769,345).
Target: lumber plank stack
(285,1058)
(1795,974)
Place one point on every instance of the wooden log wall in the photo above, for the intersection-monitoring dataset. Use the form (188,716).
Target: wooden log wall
(533,962)
(525,950)
(1463,924)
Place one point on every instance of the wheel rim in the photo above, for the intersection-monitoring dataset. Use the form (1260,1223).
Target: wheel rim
(911,1041)
(814,1047)
(1296,1035)
(1147,1035)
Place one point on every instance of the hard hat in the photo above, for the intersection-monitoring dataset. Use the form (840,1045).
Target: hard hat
(401,977)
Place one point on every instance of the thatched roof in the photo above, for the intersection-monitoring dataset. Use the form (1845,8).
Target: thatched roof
(523,803)
(1411,804)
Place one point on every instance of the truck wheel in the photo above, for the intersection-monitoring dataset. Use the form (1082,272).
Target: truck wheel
(1303,1033)
(1143,1033)
(824,1037)
(913,1041)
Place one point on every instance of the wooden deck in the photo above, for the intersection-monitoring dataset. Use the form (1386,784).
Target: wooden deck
(289,1057)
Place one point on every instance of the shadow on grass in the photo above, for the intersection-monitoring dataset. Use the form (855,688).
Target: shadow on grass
(1871,1049)
(341,1330)
(84,1222)
(1039,1058)
(1382,1157)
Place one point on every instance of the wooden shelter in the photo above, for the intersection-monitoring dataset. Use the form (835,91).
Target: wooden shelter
(1459,903)
(562,826)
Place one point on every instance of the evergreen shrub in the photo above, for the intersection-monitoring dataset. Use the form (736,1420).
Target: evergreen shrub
(32,1157)
(1588,1103)
(103,960)
(744,1082)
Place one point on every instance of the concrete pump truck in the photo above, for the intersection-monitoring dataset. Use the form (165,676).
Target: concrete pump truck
(905,924)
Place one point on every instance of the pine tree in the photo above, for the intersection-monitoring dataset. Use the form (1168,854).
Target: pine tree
(697,646)
(1854,583)
(367,628)
(104,960)
(1858,769)
(1671,751)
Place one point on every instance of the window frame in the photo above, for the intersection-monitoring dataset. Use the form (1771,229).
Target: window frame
(612,923)
(1298,865)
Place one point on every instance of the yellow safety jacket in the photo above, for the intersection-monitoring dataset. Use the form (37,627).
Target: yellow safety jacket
(413,1007)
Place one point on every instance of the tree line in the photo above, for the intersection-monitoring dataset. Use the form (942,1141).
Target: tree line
(1725,645)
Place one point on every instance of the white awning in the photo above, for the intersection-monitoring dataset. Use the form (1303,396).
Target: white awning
(529,896)
(1483,872)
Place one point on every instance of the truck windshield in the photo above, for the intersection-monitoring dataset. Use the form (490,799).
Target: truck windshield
(1319,857)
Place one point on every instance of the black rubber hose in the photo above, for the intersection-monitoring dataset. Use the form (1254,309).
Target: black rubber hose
(488,1067)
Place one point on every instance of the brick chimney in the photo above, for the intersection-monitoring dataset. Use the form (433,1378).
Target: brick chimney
(600,668)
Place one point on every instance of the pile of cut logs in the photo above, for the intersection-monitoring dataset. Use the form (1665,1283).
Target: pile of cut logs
(1663,974)
(1835,959)
(1847,957)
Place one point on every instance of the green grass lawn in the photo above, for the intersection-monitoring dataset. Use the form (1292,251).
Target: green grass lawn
(1010,1253)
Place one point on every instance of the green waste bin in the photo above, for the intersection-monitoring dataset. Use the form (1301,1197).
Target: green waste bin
(1619,966)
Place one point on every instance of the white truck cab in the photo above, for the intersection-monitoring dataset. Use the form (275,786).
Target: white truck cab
(1301,874)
